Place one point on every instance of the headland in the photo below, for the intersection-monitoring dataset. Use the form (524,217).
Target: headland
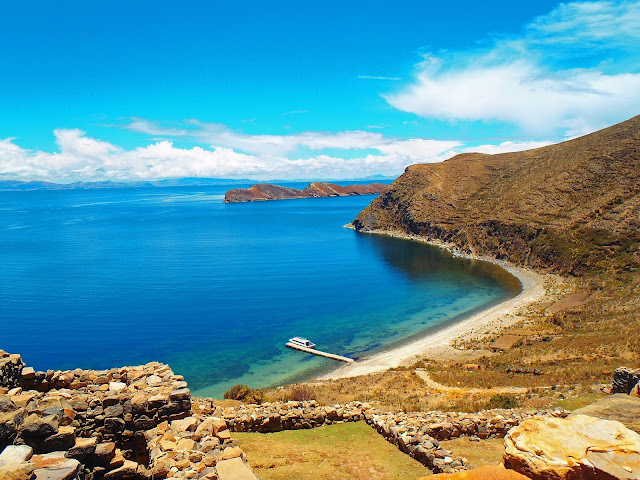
(266,191)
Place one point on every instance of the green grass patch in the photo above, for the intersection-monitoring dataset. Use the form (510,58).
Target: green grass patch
(342,451)
(580,401)
(484,452)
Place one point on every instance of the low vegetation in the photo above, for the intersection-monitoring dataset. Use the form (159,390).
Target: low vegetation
(348,451)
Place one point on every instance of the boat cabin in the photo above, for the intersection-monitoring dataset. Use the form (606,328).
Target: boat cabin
(303,342)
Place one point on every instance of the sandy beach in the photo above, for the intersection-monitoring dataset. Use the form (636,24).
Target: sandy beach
(438,344)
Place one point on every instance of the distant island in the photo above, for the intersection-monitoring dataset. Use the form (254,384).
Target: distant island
(266,191)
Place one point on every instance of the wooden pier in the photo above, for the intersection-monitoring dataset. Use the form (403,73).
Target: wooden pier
(318,352)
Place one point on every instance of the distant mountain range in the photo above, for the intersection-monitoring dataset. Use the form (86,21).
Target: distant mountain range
(15,185)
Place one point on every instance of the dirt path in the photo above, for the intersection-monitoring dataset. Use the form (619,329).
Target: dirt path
(430,383)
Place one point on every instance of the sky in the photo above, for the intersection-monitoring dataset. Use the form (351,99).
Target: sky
(140,90)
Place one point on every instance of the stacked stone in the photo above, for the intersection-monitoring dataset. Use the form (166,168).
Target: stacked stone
(195,447)
(625,379)
(118,404)
(278,416)
(45,426)
(127,432)
(11,366)
(418,433)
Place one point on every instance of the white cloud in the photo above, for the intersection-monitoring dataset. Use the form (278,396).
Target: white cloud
(377,77)
(263,145)
(88,159)
(506,147)
(573,70)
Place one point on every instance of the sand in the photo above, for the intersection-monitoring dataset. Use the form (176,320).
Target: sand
(437,345)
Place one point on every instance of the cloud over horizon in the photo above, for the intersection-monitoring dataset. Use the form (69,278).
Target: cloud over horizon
(84,158)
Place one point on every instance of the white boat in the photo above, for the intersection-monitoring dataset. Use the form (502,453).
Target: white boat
(302,342)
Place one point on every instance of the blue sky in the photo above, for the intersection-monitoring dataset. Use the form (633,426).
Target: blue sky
(146,90)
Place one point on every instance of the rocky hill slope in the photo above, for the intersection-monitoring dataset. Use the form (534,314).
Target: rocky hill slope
(570,207)
(266,191)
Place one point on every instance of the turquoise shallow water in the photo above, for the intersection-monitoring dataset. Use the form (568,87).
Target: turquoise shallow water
(102,278)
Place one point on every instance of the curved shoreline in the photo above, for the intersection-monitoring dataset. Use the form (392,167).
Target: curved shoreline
(437,344)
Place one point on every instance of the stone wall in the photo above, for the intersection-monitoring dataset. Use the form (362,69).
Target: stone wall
(124,423)
(278,416)
(418,434)
(624,379)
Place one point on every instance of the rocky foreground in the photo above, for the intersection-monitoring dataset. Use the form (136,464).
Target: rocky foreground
(265,191)
(141,423)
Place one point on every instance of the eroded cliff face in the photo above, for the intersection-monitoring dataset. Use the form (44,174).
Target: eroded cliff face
(569,207)
(266,191)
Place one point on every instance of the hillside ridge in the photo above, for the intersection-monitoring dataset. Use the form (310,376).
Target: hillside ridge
(569,207)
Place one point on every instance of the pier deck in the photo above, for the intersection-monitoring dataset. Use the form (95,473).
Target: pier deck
(318,352)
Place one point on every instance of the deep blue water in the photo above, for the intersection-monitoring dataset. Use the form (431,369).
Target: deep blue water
(103,278)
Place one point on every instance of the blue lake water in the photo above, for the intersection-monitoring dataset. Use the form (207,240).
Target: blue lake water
(104,278)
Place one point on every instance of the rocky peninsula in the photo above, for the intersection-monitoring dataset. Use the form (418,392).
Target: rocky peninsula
(265,191)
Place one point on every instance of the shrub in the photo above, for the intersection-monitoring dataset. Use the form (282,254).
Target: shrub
(244,394)
(237,392)
(502,401)
(302,393)
(255,396)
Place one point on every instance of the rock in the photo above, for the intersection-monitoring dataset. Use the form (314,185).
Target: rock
(83,448)
(623,408)
(217,425)
(63,440)
(234,469)
(6,405)
(104,453)
(154,381)
(186,444)
(35,426)
(231,452)
(15,454)
(624,379)
(117,386)
(487,472)
(113,425)
(114,411)
(10,423)
(21,471)
(188,424)
(55,466)
(127,470)
(22,400)
(579,446)
(28,373)
(180,394)
(160,468)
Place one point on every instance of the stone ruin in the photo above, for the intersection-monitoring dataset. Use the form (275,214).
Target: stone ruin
(125,423)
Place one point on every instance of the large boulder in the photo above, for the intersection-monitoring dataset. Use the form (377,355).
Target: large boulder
(487,472)
(623,408)
(573,448)
(234,469)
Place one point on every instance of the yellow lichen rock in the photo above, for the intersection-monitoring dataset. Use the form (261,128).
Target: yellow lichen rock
(573,448)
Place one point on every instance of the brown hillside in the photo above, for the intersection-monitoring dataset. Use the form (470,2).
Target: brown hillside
(571,207)
(266,191)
